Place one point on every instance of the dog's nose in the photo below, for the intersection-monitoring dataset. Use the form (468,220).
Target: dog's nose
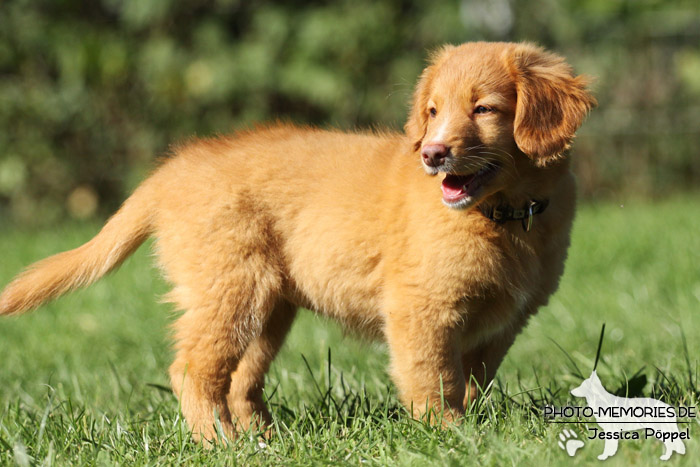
(434,155)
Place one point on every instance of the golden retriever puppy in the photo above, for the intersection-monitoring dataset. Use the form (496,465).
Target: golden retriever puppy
(442,241)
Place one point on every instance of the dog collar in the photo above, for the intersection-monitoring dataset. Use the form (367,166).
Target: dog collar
(504,213)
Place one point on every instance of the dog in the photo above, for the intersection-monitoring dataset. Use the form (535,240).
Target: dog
(442,240)
(619,414)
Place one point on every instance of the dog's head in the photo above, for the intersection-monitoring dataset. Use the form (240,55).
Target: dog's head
(483,112)
(588,387)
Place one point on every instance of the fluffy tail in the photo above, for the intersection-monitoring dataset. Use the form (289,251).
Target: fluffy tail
(58,274)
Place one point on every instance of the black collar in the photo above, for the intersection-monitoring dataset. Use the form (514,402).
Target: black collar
(504,213)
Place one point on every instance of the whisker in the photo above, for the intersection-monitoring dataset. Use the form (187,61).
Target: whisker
(509,169)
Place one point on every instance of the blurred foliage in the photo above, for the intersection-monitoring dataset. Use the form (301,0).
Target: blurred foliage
(92,91)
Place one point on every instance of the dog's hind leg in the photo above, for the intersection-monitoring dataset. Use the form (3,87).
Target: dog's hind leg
(245,397)
(226,263)
(672,446)
(211,338)
(678,446)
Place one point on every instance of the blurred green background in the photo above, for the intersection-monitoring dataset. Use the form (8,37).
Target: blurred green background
(91,92)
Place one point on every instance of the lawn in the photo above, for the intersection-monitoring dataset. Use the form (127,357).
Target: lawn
(84,379)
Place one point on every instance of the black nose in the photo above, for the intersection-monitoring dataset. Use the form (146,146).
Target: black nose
(434,155)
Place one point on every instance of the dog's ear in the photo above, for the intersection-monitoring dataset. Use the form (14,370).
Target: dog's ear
(551,103)
(417,123)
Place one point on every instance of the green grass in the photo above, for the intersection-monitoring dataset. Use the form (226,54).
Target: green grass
(83,380)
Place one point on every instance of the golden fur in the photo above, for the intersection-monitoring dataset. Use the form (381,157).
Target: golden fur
(251,226)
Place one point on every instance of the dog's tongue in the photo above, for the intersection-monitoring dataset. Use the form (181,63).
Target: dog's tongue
(453,186)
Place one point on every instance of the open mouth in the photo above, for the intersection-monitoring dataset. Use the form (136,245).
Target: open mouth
(457,189)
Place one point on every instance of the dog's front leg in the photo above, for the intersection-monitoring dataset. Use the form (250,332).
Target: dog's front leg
(609,449)
(480,364)
(426,363)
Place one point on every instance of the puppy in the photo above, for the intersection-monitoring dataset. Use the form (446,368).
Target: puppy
(442,241)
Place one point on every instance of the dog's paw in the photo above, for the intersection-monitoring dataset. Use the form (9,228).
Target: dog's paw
(569,442)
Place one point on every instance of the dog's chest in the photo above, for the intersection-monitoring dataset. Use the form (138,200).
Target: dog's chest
(505,276)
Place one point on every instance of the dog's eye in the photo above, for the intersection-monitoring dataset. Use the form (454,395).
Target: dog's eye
(433,111)
(480,109)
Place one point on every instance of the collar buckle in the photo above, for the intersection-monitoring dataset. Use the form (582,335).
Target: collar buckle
(527,221)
